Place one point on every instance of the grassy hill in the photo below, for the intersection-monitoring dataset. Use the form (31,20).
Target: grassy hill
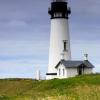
(86,87)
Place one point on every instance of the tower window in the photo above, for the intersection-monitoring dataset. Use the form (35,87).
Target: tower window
(65,45)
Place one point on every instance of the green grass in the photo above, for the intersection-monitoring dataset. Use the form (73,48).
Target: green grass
(86,87)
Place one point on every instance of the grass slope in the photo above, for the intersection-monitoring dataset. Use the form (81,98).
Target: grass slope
(86,87)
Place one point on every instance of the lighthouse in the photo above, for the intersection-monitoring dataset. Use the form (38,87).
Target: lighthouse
(59,35)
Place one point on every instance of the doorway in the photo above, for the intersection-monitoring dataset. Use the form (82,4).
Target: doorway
(80,70)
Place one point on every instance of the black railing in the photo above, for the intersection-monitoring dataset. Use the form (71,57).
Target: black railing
(58,0)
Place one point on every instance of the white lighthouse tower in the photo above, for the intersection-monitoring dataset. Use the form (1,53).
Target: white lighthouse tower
(59,35)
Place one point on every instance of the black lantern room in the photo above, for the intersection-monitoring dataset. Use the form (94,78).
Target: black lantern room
(59,9)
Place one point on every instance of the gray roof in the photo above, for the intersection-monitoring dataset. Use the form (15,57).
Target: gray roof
(71,64)
(88,64)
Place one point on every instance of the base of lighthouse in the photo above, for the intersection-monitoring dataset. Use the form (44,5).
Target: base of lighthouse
(51,76)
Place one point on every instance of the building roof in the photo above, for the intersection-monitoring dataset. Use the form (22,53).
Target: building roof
(75,64)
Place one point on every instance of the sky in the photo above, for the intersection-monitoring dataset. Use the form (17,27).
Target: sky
(25,35)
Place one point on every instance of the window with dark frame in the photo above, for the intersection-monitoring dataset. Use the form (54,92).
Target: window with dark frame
(65,44)
(59,72)
(63,72)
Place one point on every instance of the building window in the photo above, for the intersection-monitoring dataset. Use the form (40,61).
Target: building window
(59,72)
(63,72)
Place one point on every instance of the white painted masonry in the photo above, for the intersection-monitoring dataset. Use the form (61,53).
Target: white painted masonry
(60,45)
(48,77)
(88,70)
(59,33)
(71,72)
(62,75)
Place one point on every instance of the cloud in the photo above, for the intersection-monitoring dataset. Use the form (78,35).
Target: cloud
(22,19)
(84,20)
(21,68)
(22,48)
(86,7)
(20,58)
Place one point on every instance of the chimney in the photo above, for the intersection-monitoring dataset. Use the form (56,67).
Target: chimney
(85,56)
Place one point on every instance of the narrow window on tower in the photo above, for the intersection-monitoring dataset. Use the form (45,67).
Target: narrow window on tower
(65,46)
(65,42)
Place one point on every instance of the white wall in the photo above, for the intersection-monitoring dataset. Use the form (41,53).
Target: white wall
(88,70)
(71,72)
(48,77)
(59,32)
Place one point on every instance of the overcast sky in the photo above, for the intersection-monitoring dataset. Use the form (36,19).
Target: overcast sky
(25,32)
